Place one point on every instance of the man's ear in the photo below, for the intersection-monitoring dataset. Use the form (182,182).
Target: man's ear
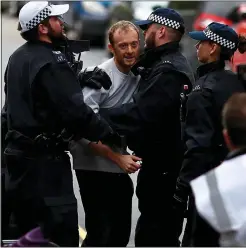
(227,140)
(110,48)
(161,32)
(214,48)
(42,29)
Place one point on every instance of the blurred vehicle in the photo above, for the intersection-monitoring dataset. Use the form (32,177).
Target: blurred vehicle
(88,19)
(239,16)
(211,11)
(142,9)
(12,7)
(4,6)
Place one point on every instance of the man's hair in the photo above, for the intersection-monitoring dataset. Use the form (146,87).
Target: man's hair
(32,35)
(172,34)
(122,25)
(234,119)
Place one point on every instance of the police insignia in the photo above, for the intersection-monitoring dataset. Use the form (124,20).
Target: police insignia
(59,57)
(197,88)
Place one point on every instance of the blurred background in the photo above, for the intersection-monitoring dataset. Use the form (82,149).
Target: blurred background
(91,19)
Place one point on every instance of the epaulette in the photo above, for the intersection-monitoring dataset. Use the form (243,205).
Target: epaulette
(197,88)
(59,57)
(167,62)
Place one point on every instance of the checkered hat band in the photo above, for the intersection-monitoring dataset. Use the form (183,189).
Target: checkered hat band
(164,21)
(220,40)
(38,18)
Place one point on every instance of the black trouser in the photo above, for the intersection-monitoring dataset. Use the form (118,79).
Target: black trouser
(195,231)
(107,201)
(41,193)
(156,224)
(5,211)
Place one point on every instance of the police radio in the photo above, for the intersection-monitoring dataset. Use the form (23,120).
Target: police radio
(183,99)
(73,50)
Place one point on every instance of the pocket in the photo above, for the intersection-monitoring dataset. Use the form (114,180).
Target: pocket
(60,210)
(21,174)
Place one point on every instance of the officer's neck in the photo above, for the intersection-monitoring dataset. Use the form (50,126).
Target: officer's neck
(45,39)
(48,43)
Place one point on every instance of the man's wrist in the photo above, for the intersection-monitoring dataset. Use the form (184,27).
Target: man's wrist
(114,157)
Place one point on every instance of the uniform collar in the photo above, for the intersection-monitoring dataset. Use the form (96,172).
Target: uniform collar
(49,45)
(150,56)
(163,49)
(213,66)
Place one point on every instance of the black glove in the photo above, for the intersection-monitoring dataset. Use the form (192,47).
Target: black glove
(95,79)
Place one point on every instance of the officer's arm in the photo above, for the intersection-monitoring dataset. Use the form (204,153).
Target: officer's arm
(148,106)
(199,133)
(94,98)
(4,122)
(4,129)
(66,97)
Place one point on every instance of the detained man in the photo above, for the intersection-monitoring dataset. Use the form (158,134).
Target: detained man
(108,208)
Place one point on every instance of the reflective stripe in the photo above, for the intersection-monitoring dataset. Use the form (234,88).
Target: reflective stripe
(217,202)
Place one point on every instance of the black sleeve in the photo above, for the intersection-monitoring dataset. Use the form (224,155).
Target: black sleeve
(199,133)
(148,106)
(66,96)
(4,128)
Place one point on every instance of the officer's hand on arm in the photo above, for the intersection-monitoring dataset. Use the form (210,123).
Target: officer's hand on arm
(95,79)
(93,98)
(65,96)
(148,106)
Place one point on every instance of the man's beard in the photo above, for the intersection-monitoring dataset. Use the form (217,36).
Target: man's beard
(150,42)
(56,38)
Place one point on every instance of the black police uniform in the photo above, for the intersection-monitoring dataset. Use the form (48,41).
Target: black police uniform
(151,124)
(44,96)
(205,145)
(6,208)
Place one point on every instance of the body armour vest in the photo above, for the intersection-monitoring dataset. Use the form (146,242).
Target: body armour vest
(180,64)
(162,59)
(22,69)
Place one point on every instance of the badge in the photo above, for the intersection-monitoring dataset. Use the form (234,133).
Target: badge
(197,88)
(59,57)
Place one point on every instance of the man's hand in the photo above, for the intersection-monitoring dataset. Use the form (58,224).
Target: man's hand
(95,79)
(128,163)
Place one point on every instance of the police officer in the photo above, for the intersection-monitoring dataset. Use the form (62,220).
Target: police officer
(222,206)
(203,131)
(44,97)
(151,124)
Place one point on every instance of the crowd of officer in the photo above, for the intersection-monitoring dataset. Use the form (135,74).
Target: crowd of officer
(45,111)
